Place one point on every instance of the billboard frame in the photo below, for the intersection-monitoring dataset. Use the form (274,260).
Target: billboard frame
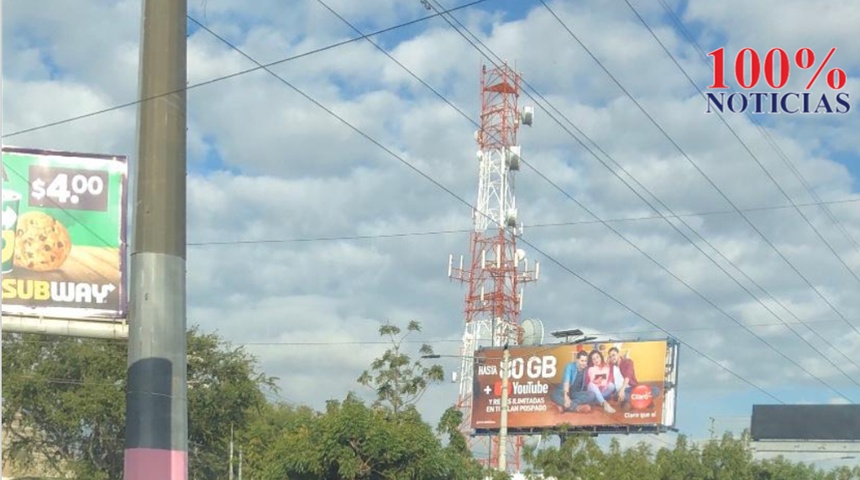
(834,423)
(669,408)
(69,320)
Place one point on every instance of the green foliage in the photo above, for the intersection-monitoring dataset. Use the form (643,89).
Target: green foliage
(580,458)
(353,441)
(397,380)
(577,457)
(264,427)
(728,459)
(64,403)
(225,389)
(64,408)
(681,463)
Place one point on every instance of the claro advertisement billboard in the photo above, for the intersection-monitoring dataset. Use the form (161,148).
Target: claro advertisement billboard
(64,235)
(610,386)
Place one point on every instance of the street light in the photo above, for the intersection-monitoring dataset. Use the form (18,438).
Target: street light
(503,415)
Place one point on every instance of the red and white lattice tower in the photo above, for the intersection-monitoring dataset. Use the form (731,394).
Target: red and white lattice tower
(496,269)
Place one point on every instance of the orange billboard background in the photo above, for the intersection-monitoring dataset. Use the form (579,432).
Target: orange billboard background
(538,371)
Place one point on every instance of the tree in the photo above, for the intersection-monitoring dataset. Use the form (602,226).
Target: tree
(580,458)
(630,464)
(397,380)
(681,463)
(264,429)
(781,469)
(387,439)
(577,457)
(728,459)
(844,473)
(64,402)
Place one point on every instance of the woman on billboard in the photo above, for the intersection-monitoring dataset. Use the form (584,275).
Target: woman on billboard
(604,380)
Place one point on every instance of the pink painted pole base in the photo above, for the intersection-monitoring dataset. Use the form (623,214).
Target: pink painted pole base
(155,464)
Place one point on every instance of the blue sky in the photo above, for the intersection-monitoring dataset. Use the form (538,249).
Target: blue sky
(264,163)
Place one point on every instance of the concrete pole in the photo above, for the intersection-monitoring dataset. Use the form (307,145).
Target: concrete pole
(156,435)
(503,422)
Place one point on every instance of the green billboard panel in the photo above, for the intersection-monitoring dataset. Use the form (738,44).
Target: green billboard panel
(64,235)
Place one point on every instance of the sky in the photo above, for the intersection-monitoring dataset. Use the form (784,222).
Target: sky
(278,187)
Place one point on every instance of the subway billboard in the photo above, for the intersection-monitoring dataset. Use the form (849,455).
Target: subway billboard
(64,235)
(624,386)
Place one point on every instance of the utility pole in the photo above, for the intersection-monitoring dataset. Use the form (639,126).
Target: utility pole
(503,422)
(156,441)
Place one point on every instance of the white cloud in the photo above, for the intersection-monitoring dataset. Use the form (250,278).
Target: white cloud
(291,171)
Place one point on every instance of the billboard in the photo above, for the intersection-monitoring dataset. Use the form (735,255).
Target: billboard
(602,386)
(806,422)
(64,236)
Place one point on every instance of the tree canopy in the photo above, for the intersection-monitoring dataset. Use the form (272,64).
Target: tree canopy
(64,403)
(726,458)
(64,408)
(387,439)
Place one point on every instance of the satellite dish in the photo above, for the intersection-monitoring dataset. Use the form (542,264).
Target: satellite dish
(521,254)
(532,331)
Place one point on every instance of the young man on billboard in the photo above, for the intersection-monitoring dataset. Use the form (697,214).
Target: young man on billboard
(571,395)
(628,373)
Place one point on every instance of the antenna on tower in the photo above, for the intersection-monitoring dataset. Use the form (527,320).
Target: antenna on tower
(527,115)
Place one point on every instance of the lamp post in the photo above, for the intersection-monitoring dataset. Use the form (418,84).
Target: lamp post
(503,414)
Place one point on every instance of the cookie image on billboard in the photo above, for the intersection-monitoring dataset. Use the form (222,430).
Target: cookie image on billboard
(42,242)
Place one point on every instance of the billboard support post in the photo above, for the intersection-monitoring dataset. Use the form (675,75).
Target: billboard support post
(503,421)
(156,434)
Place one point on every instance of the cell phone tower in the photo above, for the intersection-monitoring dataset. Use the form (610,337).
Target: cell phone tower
(496,269)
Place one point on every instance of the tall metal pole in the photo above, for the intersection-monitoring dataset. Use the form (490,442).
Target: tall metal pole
(156,442)
(503,421)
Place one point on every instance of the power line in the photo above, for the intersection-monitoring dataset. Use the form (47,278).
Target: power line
(652,207)
(651,258)
(243,72)
(247,71)
(430,179)
(704,175)
(746,147)
(446,189)
(850,359)
(598,218)
(466,230)
(621,333)
(462,113)
(703,56)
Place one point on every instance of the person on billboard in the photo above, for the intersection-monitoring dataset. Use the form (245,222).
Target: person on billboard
(627,368)
(571,395)
(602,379)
